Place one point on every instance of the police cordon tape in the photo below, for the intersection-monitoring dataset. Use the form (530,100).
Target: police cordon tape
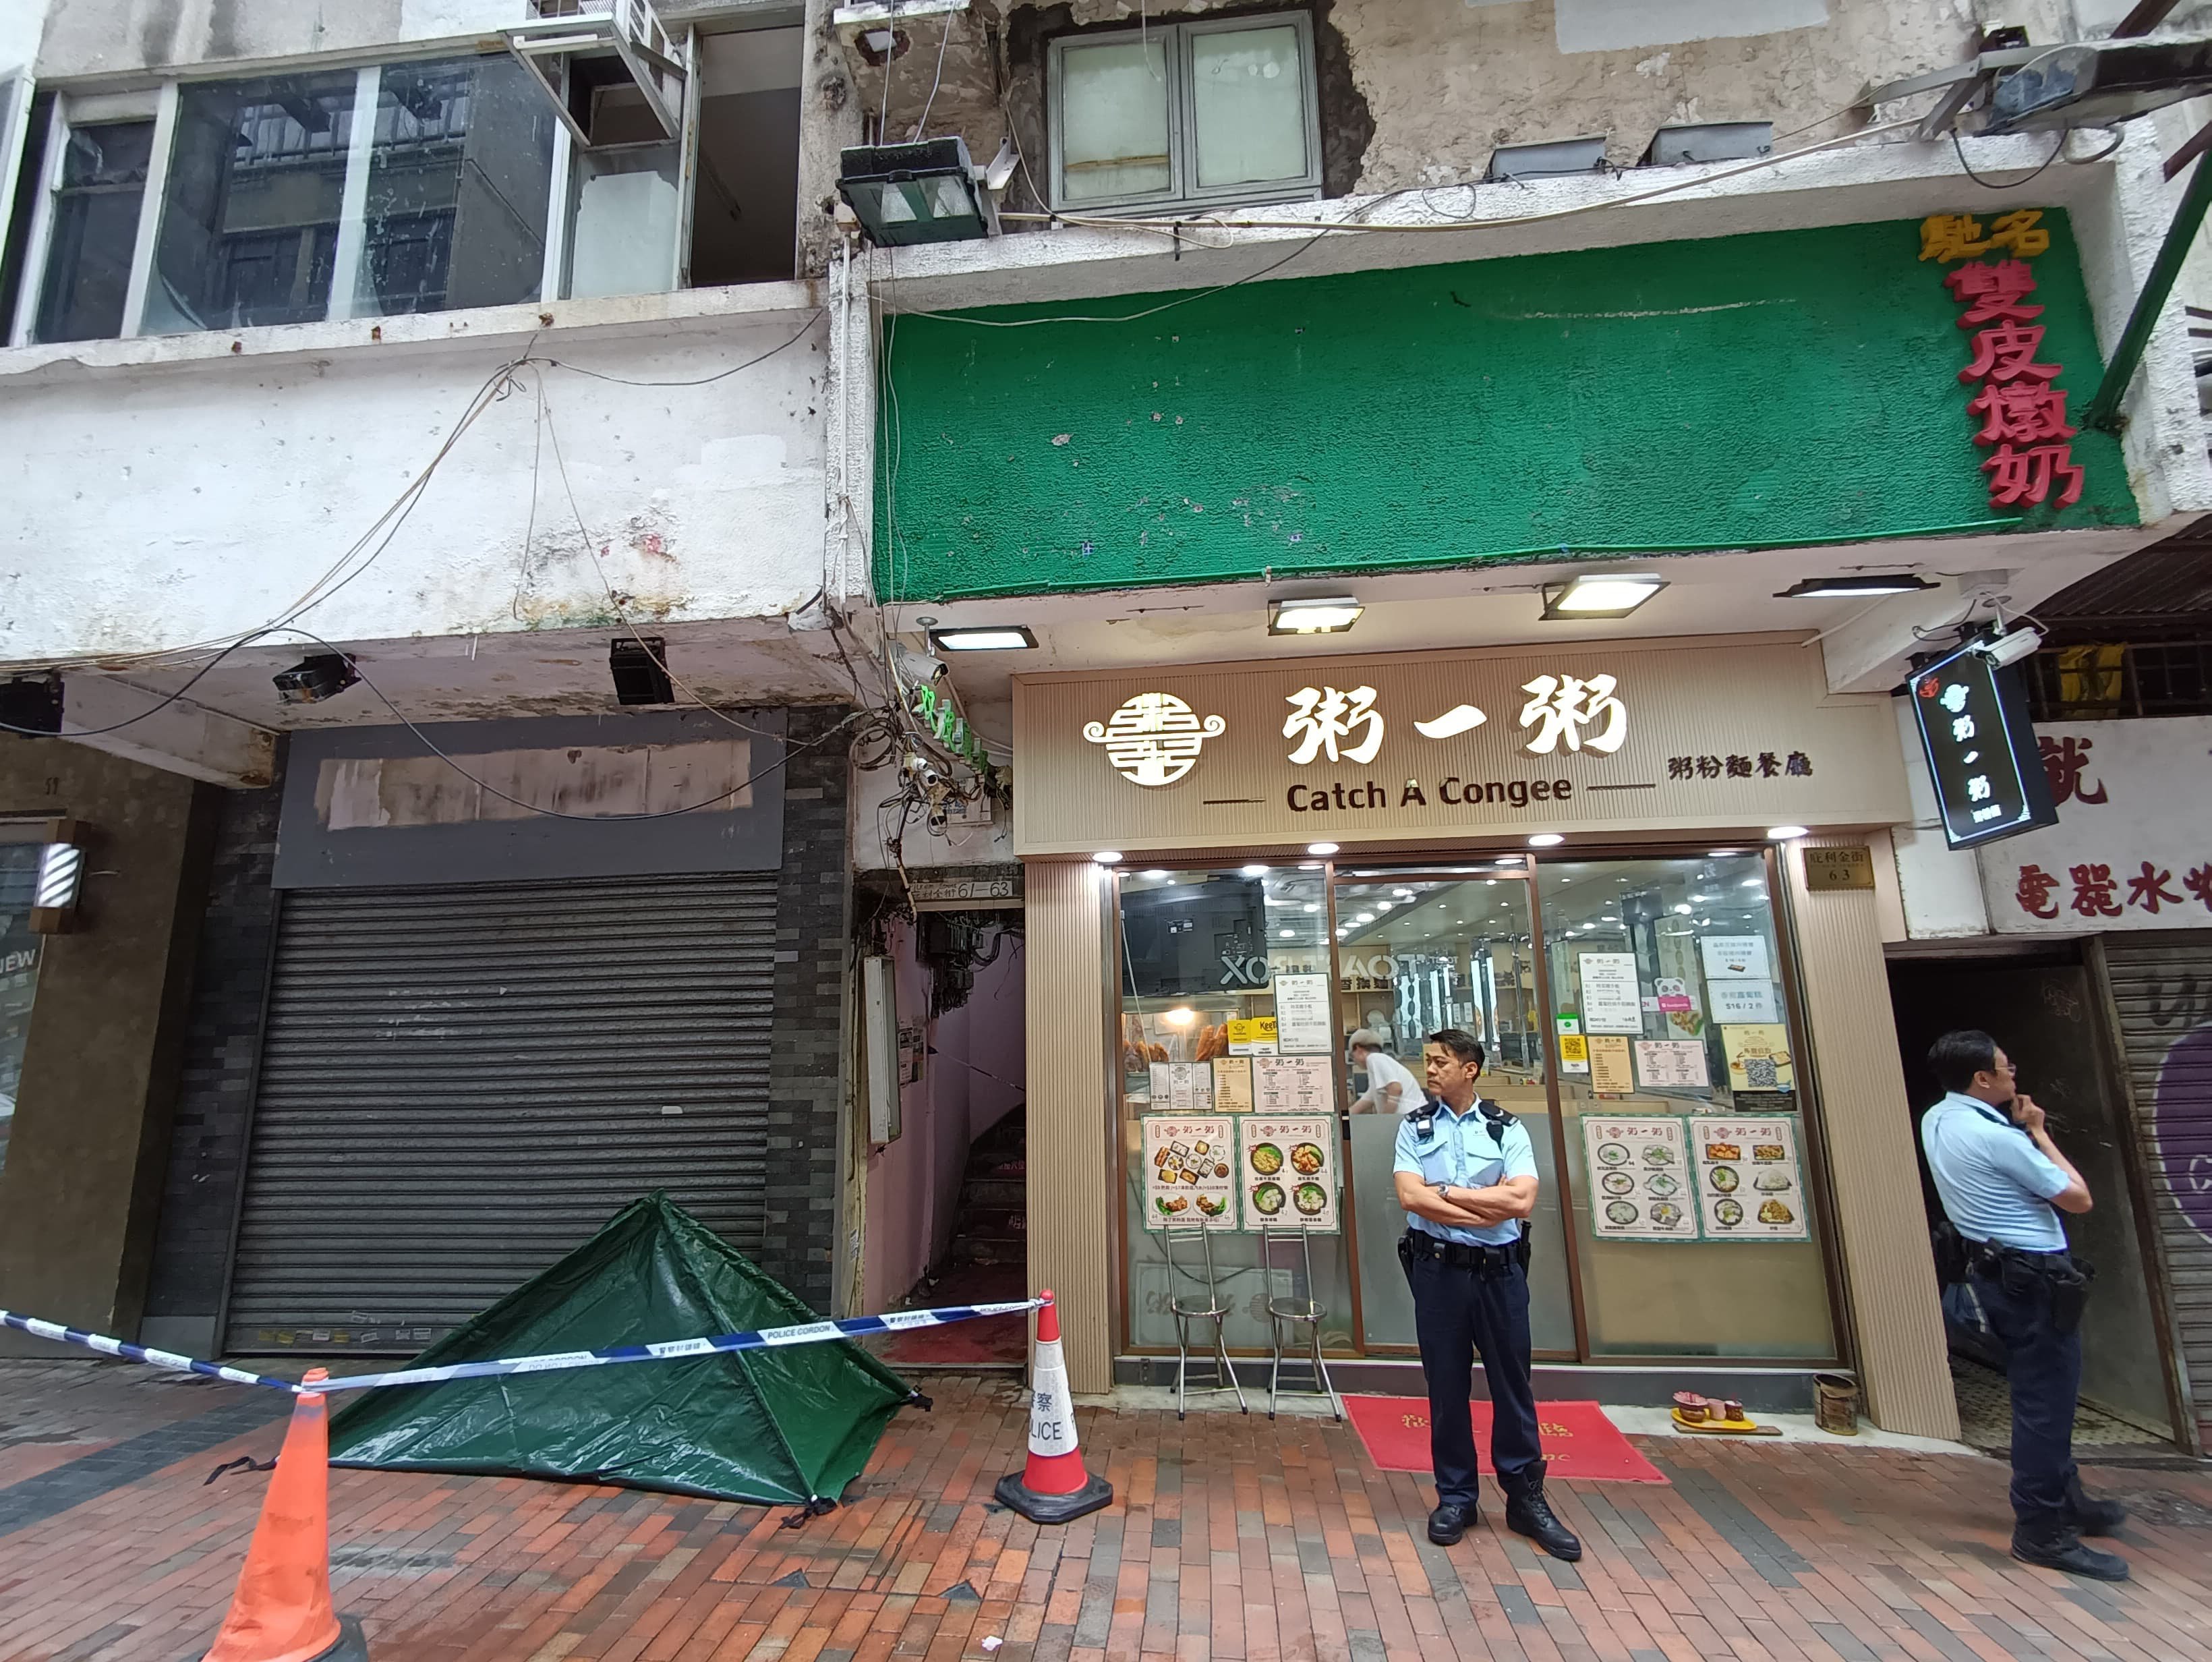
(767,1338)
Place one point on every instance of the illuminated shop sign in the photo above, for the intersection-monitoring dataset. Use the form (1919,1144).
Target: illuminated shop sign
(1982,753)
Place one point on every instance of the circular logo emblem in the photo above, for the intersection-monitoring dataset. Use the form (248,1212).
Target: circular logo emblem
(1154,739)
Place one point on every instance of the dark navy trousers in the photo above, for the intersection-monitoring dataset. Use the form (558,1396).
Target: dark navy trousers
(1460,1313)
(2044,1368)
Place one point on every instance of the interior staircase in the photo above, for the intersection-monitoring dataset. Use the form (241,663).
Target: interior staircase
(987,1262)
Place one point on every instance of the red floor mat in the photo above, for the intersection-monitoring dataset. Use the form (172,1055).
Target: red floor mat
(1579,1442)
(986,1341)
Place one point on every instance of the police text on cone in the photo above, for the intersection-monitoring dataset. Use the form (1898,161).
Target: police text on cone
(1054,1487)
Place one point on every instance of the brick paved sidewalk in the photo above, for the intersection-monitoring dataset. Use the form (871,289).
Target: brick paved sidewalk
(1231,1537)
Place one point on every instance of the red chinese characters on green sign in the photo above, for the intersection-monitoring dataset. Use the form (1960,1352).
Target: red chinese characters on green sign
(2021,411)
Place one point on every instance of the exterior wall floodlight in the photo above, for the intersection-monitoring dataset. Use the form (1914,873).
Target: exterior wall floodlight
(1844,589)
(1599,595)
(1330,615)
(314,680)
(31,703)
(61,878)
(1710,141)
(995,637)
(1585,155)
(905,194)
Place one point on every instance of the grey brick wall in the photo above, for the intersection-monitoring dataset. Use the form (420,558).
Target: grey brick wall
(804,1084)
(206,1142)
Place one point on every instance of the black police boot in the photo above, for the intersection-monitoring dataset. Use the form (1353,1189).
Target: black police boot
(2058,1546)
(2091,1515)
(1449,1521)
(1527,1513)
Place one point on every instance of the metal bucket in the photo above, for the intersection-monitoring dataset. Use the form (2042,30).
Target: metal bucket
(1836,1405)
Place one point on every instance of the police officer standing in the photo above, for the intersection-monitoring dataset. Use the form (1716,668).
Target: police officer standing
(1466,1173)
(2000,1177)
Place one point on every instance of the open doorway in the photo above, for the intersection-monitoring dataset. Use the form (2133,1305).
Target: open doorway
(947,1195)
(2044,1010)
(687,181)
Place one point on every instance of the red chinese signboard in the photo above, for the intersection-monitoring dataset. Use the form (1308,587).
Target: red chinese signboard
(2022,410)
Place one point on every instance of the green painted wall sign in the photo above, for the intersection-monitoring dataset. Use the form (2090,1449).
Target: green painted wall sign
(1787,387)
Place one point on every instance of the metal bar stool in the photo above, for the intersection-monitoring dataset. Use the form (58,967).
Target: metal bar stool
(1187,1311)
(1285,1314)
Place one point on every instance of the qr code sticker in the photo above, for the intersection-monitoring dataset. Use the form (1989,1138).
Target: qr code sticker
(1759,1073)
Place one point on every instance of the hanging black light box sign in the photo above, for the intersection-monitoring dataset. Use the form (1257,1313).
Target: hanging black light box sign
(1982,753)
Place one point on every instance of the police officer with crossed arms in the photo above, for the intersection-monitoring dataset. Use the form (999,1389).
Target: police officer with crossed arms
(2003,1182)
(1466,1173)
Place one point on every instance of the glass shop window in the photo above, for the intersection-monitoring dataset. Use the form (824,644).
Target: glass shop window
(1229,1100)
(20,951)
(1415,954)
(1683,1110)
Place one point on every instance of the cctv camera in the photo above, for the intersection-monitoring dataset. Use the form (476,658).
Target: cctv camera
(2010,646)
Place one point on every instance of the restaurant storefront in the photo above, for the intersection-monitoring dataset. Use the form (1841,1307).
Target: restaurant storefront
(1597,859)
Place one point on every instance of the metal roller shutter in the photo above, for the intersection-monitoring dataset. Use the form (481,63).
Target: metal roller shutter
(458,1085)
(2163,992)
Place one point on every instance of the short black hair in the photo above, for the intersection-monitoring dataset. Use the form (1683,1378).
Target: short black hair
(1460,1043)
(1956,1057)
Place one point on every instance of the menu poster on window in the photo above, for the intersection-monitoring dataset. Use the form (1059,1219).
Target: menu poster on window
(1232,1084)
(1639,1177)
(1252,1036)
(1743,1000)
(1672,1064)
(1750,1186)
(1190,1088)
(1190,1177)
(1286,1170)
(1734,958)
(1293,1085)
(1608,1060)
(1162,1088)
(1611,1001)
(1758,1056)
(1301,1026)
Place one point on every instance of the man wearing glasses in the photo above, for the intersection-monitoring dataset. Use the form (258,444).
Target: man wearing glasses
(2003,1182)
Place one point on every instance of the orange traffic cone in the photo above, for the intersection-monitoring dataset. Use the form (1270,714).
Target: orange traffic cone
(282,1610)
(1054,1488)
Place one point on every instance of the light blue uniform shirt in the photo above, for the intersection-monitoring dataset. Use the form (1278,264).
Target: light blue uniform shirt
(1996,1184)
(1460,1150)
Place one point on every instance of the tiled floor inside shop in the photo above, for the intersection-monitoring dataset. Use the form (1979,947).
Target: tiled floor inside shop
(1231,1537)
(1986,1415)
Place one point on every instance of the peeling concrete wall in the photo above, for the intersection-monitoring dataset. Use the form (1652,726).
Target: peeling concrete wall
(1419,92)
(171,503)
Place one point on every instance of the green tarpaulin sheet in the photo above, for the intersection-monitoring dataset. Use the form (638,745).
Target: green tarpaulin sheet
(793,1424)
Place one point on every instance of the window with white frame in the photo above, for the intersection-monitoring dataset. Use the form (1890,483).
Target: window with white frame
(489,179)
(1193,114)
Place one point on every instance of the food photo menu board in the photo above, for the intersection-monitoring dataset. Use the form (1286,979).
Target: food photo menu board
(1286,1170)
(1751,1184)
(1639,1177)
(1190,1177)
